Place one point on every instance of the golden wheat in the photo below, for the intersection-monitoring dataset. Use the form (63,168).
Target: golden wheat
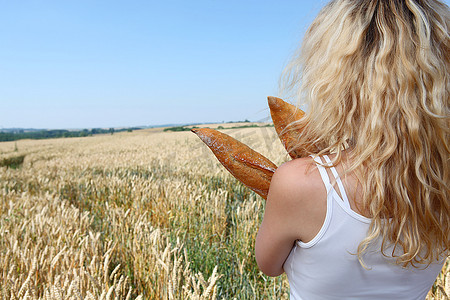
(141,215)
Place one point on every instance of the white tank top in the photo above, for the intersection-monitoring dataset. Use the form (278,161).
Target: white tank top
(327,267)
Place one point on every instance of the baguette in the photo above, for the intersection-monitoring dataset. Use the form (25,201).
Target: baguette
(283,114)
(248,166)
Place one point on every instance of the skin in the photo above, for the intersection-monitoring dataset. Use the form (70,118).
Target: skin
(295,210)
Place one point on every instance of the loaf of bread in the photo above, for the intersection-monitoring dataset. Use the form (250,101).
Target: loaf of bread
(283,114)
(248,166)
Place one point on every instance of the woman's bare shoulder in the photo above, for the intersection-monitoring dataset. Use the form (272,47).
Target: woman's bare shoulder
(297,176)
(298,188)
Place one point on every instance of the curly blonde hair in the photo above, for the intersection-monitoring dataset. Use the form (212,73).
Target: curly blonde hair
(375,77)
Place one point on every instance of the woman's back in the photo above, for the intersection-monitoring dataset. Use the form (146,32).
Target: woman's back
(327,266)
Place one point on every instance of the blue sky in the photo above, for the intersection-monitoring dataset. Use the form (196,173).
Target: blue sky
(86,64)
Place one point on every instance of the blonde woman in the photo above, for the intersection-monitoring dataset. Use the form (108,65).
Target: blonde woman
(366,216)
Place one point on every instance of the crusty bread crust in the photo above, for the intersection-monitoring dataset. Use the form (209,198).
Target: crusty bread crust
(248,166)
(283,114)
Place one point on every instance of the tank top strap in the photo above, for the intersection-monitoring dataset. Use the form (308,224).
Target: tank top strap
(338,181)
(323,173)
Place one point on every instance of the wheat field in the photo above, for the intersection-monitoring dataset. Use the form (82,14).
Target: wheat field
(134,215)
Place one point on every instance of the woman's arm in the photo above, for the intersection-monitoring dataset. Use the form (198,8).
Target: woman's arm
(291,214)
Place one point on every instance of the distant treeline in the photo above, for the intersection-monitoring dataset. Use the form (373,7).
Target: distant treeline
(56,133)
(179,128)
(186,128)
